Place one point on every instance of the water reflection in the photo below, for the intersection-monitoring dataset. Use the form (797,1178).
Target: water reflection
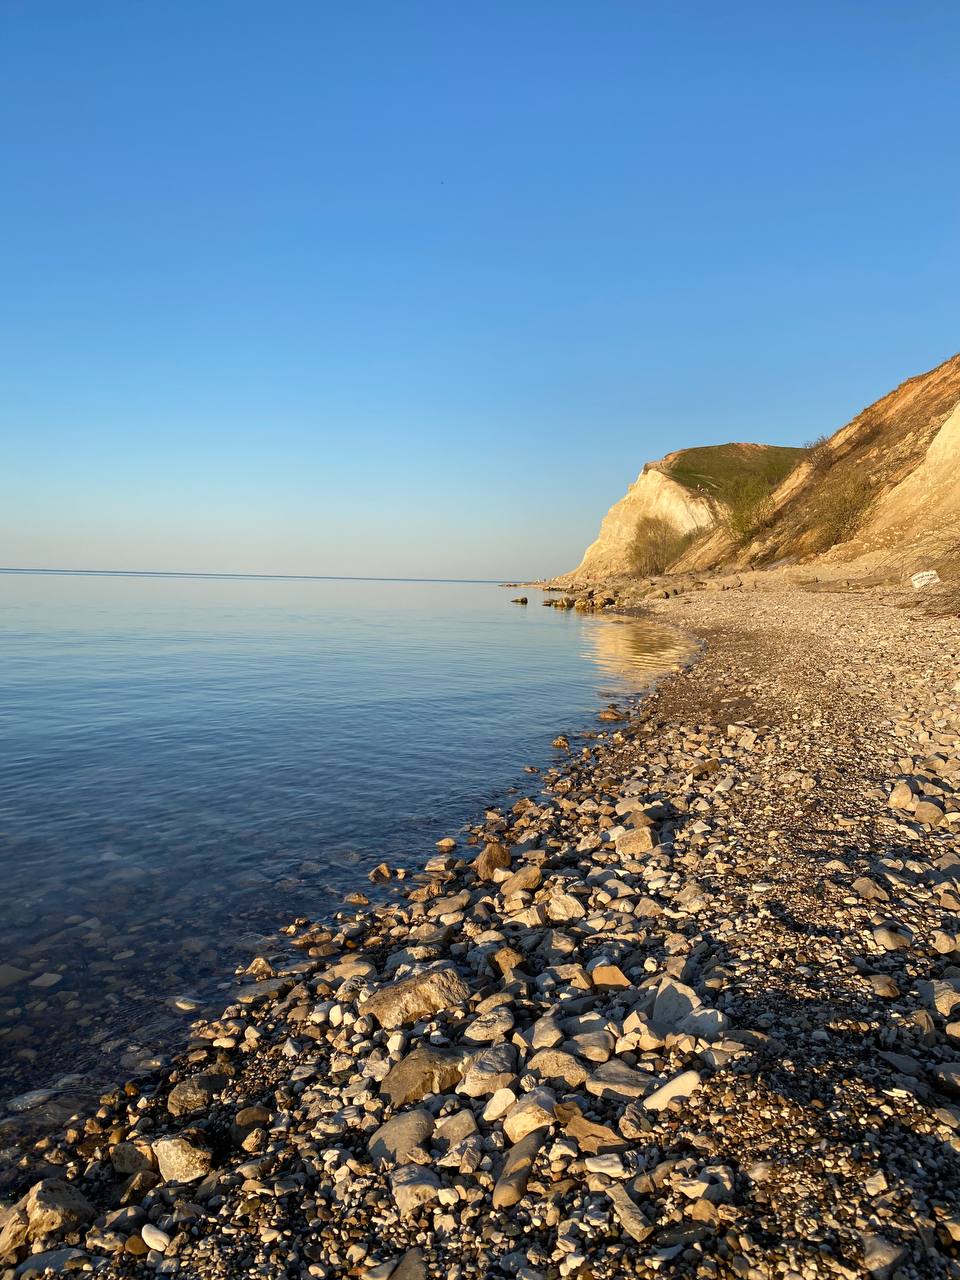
(623,648)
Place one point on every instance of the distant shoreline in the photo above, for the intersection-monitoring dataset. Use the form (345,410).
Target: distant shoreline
(269,577)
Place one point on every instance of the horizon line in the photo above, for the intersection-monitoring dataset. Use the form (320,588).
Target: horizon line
(202,573)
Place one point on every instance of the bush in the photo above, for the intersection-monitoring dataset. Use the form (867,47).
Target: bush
(655,546)
(818,455)
(750,507)
(840,506)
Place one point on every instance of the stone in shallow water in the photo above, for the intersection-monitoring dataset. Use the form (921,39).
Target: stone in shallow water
(10,975)
(27,1101)
(47,980)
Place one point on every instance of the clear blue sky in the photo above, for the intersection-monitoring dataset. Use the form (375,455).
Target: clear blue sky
(416,288)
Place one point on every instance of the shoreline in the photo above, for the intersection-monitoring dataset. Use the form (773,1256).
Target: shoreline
(143,947)
(650,1029)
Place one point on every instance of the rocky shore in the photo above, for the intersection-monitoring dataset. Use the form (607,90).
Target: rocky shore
(693,1011)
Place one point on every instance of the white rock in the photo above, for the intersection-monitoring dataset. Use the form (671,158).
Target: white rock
(681,1086)
(533,1111)
(153,1237)
(499,1104)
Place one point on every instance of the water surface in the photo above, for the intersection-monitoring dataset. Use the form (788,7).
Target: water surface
(188,762)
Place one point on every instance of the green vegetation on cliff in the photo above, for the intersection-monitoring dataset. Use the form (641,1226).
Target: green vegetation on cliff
(722,470)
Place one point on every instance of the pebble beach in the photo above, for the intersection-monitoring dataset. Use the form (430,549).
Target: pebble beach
(690,1010)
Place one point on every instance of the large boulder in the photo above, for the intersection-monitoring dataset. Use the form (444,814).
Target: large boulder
(493,857)
(393,1141)
(535,1110)
(427,1069)
(131,1157)
(50,1210)
(419,996)
(517,1167)
(412,1186)
(489,1070)
(195,1093)
(184,1158)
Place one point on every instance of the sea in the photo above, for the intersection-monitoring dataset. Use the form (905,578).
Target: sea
(188,762)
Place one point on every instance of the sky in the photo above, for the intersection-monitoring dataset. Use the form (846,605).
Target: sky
(415,289)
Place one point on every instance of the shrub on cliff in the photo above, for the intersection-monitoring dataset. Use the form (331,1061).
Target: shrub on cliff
(840,506)
(656,544)
(749,507)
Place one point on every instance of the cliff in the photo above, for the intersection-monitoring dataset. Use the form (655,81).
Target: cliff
(674,502)
(880,495)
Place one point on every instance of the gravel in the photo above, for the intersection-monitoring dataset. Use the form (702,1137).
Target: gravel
(692,1011)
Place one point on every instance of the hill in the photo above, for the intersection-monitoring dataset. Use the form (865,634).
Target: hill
(674,502)
(879,496)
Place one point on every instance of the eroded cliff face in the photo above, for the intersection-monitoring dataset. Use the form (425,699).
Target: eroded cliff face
(684,495)
(914,524)
(927,502)
(905,451)
(653,495)
(899,460)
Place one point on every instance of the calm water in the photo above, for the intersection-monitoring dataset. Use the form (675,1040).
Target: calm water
(186,763)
